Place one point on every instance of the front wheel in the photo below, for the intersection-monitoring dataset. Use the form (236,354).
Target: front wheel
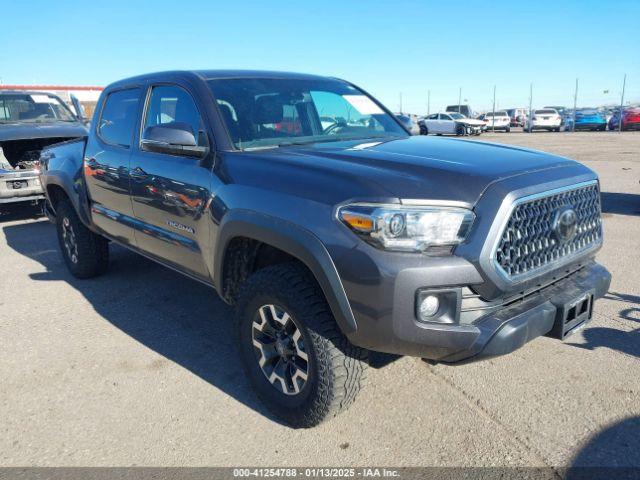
(507,130)
(297,359)
(85,253)
(460,130)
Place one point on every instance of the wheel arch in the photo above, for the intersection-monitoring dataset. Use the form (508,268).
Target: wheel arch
(293,240)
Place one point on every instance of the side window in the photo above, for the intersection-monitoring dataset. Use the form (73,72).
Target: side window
(433,117)
(172,104)
(444,117)
(118,117)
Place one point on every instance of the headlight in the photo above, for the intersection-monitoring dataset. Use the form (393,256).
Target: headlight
(407,228)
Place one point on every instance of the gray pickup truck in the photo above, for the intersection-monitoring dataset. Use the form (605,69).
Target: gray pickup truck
(307,205)
(30,121)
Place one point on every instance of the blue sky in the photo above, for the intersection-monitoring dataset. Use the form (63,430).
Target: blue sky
(387,48)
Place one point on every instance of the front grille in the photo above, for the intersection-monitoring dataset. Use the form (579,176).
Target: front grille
(530,240)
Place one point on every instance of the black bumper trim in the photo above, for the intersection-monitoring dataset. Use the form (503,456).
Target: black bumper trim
(509,329)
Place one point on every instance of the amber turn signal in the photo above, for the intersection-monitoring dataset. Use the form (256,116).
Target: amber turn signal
(362,223)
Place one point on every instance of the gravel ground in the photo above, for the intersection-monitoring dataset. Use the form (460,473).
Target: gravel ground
(138,367)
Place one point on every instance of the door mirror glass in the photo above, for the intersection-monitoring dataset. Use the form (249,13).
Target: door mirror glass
(175,138)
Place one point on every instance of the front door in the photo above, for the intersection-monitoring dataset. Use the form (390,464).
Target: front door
(169,193)
(106,164)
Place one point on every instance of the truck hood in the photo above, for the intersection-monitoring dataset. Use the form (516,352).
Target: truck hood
(20,131)
(417,167)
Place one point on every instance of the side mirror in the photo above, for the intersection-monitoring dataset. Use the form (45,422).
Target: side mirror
(78,109)
(175,138)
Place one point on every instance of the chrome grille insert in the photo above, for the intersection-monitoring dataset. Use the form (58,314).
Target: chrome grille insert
(530,241)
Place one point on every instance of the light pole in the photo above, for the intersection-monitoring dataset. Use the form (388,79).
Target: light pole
(493,112)
(530,108)
(575,105)
(459,99)
(624,82)
(428,101)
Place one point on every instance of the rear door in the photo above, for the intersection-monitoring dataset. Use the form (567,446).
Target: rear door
(170,192)
(431,123)
(106,163)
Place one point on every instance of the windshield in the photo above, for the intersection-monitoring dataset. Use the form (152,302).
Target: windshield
(497,114)
(33,108)
(546,112)
(456,116)
(587,111)
(270,112)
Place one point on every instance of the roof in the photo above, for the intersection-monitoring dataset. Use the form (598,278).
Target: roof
(25,92)
(213,74)
(49,87)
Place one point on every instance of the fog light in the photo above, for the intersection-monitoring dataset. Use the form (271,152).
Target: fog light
(429,307)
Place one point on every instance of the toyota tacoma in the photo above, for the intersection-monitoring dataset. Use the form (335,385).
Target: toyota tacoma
(331,239)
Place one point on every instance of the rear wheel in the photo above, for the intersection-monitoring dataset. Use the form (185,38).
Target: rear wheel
(297,360)
(85,253)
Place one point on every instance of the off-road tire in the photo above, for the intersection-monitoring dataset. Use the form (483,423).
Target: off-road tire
(336,368)
(92,250)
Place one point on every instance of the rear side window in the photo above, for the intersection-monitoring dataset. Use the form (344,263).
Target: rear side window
(118,117)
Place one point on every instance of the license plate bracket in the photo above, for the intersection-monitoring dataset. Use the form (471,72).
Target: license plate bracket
(17,184)
(572,314)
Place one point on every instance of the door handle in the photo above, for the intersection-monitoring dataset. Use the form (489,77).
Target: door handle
(138,173)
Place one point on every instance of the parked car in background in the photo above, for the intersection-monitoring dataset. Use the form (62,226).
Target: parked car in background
(463,109)
(497,120)
(562,111)
(518,116)
(30,121)
(544,119)
(586,119)
(450,123)
(630,119)
(408,122)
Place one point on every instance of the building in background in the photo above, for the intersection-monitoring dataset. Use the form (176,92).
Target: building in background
(87,96)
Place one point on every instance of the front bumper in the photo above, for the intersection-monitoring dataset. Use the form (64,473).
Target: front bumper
(389,323)
(32,191)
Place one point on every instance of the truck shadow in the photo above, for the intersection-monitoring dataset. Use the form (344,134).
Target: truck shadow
(620,203)
(20,211)
(179,318)
(614,452)
(627,342)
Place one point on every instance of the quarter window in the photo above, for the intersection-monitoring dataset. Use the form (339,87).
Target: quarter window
(119,117)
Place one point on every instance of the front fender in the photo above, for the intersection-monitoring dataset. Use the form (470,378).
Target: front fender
(62,167)
(298,242)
